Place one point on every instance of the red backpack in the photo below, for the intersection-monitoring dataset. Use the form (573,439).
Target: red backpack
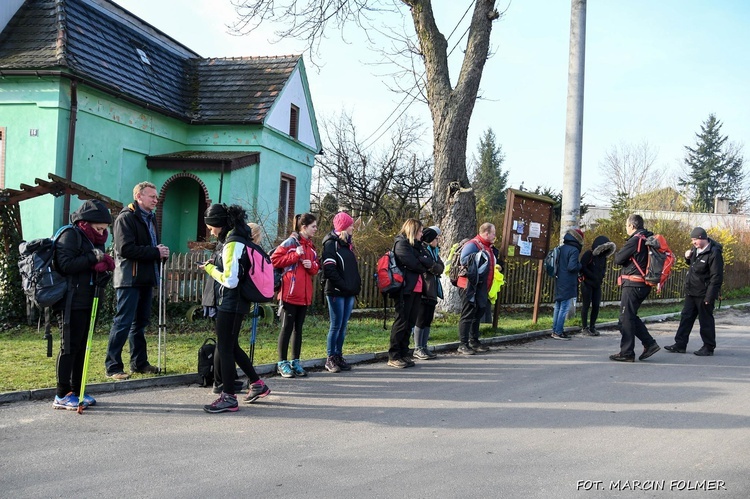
(390,278)
(660,261)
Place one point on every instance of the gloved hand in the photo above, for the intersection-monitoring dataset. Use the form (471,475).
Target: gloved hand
(106,264)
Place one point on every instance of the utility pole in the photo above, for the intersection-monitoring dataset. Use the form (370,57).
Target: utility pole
(571,194)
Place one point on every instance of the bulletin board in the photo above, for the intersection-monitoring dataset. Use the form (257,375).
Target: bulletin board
(528,221)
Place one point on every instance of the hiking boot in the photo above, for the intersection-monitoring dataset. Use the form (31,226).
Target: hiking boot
(409,360)
(225,403)
(397,363)
(88,400)
(257,390)
(145,369)
(284,368)
(477,346)
(648,352)
(299,371)
(622,358)
(421,354)
(239,385)
(585,330)
(118,376)
(465,350)
(342,363)
(704,352)
(560,336)
(675,348)
(593,331)
(331,365)
(68,402)
(430,354)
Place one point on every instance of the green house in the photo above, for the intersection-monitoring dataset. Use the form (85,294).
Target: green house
(97,96)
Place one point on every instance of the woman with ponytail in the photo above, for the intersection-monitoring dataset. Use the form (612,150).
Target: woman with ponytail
(297,256)
(226,267)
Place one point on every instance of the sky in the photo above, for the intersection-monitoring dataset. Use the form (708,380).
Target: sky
(655,70)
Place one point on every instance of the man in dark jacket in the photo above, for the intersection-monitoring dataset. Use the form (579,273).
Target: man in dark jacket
(566,281)
(137,256)
(633,256)
(702,286)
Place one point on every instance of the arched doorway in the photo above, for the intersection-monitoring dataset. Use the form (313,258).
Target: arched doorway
(183,201)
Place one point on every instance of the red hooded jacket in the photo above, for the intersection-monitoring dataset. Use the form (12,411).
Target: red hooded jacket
(296,284)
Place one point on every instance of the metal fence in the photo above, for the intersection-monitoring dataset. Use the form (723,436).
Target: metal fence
(185,282)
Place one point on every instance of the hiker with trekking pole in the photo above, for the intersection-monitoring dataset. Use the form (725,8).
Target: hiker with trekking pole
(229,267)
(138,254)
(80,256)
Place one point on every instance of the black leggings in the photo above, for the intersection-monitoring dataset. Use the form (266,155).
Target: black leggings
(292,319)
(228,327)
(70,364)
(590,296)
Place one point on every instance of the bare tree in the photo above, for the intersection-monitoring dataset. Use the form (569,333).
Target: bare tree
(629,170)
(389,183)
(451,106)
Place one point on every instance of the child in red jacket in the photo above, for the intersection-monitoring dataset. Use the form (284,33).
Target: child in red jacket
(297,257)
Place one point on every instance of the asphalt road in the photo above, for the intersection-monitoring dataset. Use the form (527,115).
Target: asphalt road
(544,418)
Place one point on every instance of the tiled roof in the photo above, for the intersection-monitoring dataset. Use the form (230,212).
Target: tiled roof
(106,45)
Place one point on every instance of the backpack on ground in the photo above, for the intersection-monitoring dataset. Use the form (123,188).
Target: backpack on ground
(206,362)
(390,278)
(259,285)
(455,268)
(552,261)
(41,283)
(661,259)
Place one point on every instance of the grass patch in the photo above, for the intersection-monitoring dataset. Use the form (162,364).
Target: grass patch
(26,365)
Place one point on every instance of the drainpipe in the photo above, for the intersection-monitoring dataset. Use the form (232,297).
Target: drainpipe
(71,145)
(221,180)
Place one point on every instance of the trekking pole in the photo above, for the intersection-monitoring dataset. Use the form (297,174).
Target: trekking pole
(162,321)
(253,332)
(94,308)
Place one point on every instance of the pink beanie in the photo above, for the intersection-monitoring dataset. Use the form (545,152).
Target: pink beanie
(342,221)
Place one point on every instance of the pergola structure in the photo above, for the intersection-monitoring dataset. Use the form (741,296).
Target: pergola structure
(57,186)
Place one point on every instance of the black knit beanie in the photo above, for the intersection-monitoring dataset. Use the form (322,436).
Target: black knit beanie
(216,215)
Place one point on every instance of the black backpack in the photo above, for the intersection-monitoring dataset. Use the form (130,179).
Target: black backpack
(206,362)
(41,283)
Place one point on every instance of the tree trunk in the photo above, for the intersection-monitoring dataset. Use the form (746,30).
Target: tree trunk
(453,202)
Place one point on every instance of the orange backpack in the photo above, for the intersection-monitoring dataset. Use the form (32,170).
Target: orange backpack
(660,261)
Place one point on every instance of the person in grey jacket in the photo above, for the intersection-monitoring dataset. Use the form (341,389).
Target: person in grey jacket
(702,286)
(137,257)
(566,281)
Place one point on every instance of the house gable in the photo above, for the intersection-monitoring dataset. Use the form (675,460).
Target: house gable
(295,97)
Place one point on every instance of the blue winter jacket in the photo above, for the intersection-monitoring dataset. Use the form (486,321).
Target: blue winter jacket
(566,282)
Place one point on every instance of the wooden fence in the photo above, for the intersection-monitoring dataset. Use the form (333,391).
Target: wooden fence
(185,282)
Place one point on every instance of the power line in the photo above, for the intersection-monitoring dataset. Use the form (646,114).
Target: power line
(416,85)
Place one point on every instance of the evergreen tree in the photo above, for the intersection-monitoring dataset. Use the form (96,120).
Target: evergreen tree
(490,182)
(714,168)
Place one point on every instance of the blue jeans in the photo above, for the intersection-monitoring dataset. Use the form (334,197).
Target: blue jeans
(558,315)
(339,308)
(130,322)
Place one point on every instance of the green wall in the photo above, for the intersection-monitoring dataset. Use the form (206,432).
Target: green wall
(113,139)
